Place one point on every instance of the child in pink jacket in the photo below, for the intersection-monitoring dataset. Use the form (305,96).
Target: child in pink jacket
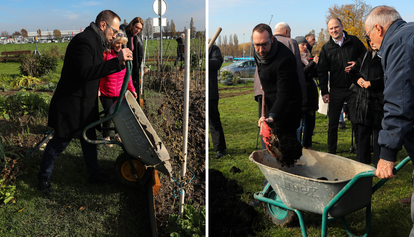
(110,86)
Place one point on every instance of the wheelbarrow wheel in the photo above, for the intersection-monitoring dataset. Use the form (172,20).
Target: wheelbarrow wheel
(278,215)
(123,170)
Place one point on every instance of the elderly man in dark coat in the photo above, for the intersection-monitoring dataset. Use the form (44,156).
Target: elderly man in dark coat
(75,102)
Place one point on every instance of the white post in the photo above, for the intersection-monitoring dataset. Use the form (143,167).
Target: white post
(186,112)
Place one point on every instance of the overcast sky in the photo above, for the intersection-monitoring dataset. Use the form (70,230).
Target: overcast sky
(74,14)
(241,16)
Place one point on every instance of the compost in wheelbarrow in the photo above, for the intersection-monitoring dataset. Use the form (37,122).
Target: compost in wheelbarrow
(298,187)
(138,136)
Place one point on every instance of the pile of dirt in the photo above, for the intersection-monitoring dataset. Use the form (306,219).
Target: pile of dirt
(283,146)
(228,215)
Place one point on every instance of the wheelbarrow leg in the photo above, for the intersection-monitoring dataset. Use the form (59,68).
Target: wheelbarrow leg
(368,222)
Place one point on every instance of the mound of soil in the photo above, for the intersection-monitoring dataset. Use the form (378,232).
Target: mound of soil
(228,215)
(283,146)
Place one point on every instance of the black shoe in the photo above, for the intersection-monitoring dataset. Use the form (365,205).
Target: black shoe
(220,154)
(45,187)
(342,125)
(255,203)
(102,179)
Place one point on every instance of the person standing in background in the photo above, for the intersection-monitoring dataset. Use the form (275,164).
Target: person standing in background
(309,109)
(216,130)
(180,50)
(337,57)
(133,30)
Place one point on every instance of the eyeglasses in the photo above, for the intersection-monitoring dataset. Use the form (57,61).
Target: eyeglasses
(367,34)
(115,31)
(264,45)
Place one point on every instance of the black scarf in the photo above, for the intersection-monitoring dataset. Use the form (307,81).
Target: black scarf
(269,56)
(104,41)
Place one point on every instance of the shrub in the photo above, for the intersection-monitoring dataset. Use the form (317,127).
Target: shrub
(35,65)
(192,225)
(5,82)
(22,103)
(25,81)
(54,51)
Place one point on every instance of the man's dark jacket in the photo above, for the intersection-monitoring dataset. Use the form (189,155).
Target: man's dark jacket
(75,102)
(335,58)
(214,64)
(280,83)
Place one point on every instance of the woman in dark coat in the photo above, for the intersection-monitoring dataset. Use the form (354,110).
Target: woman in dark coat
(133,30)
(311,106)
(368,79)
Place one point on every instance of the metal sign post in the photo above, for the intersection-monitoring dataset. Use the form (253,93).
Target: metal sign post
(160,7)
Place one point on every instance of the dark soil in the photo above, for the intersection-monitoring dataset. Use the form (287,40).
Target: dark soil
(228,215)
(283,146)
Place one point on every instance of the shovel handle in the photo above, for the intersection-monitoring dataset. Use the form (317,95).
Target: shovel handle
(263,104)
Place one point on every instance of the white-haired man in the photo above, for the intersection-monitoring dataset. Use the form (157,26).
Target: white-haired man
(395,39)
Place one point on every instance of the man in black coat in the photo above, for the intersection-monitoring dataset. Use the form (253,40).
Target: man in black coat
(337,57)
(276,67)
(74,104)
(216,130)
(136,46)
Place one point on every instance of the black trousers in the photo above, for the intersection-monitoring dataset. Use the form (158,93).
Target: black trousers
(216,130)
(364,144)
(107,102)
(337,97)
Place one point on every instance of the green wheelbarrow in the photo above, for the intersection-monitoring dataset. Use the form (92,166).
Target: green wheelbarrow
(319,182)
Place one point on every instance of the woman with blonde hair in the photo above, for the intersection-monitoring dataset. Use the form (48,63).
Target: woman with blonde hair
(110,86)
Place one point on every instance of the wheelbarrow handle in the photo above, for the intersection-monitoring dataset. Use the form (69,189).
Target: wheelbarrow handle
(118,105)
(394,172)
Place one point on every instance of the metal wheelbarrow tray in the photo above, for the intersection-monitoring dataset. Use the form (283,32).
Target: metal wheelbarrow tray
(138,136)
(319,182)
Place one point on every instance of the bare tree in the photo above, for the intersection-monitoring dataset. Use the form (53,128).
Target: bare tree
(191,28)
(39,33)
(4,33)
(236,45)
(173,30)
(24,33)
(166,29)
(147,31)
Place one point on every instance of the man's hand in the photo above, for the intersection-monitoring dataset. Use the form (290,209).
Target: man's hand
(325,98)
(316,59)
(125,55)
(269,120)
(384,169)
(348,69)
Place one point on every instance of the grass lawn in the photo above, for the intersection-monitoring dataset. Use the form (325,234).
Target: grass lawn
(239,115)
